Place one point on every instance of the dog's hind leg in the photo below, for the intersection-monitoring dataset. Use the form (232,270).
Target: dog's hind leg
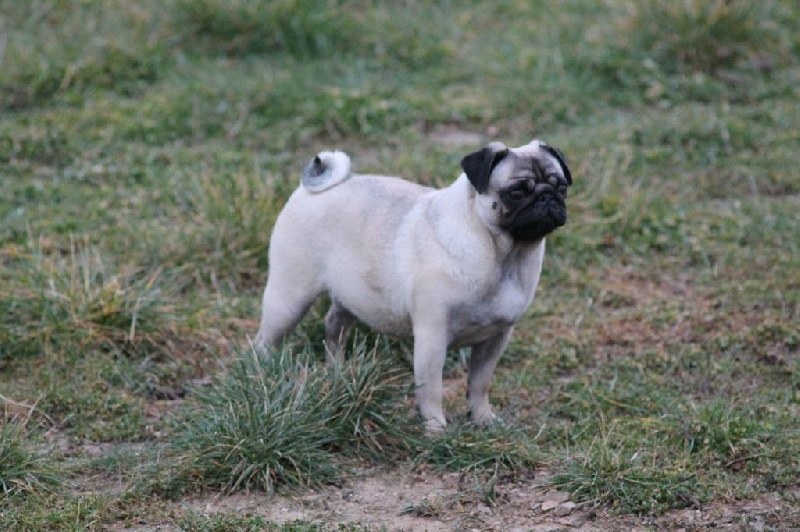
(338,323)
(283,306)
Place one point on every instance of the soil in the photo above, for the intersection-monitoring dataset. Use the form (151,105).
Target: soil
(429,501)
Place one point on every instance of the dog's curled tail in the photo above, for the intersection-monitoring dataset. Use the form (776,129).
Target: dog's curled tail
(326,170)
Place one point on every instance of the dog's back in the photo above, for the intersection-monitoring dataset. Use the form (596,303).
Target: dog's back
(338,233)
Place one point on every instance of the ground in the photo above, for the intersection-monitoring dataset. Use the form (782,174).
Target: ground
(147,147)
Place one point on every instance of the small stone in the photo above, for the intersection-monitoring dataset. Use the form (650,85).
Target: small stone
(557,496)
(564,509)
(549,505)
(485,510)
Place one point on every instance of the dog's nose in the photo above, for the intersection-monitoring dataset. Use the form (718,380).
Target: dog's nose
(542,187)
(553,183)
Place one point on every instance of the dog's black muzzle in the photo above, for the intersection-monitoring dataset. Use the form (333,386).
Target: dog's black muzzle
(534,214)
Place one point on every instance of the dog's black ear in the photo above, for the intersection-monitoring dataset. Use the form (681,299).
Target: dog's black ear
(559,156)
(479,165)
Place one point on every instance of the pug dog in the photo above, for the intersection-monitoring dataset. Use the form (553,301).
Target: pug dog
(452,267)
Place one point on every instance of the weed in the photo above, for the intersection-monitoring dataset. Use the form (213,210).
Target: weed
(628,479)
(23,469)
(230,212)
(304,28)
(468,448)
(703,35)
(274,420)
(54,51)
(80,299)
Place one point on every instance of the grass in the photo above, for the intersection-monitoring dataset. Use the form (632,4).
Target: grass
(629,480)
(145,151)
(279,420)
(472,449)
(22,468)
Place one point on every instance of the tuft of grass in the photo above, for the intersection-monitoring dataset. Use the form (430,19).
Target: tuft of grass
(65,49)
(260,427)
(724,430)
(628,479)
(700,50)
(230,210)
(80,299)
(303,28)
(464,447)
(277,419)
(22,468)
(368,399)
(703,35)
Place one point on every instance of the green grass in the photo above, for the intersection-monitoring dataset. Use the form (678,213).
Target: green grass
(279,420)
(146,149)
(23,468)
(472,449)
(629,480)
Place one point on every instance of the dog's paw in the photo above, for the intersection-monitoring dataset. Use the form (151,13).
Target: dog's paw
(435,426)
(484,417)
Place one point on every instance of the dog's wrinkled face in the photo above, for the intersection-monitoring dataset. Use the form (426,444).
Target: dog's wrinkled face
(522,191)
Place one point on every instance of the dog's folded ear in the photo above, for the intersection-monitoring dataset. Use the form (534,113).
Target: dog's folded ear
(479,165)
(559,156)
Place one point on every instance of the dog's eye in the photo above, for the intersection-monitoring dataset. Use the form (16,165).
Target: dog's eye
(516,194)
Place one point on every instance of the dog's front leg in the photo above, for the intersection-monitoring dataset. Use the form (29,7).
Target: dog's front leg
(482,362)
(430,348)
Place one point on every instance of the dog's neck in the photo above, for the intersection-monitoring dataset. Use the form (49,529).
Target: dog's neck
(454,205)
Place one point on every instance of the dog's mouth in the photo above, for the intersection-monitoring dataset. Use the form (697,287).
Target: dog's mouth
(533,214)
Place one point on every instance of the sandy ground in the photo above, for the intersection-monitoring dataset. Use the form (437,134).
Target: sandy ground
(429,501)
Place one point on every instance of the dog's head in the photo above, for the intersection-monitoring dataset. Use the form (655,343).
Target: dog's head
(521,191)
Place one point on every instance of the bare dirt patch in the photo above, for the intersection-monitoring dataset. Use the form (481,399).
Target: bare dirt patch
(429,501)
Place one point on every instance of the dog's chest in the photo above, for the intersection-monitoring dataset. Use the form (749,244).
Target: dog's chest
(490,312)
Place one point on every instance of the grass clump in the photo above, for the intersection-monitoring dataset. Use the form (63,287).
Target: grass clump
(22,469)
(698,49)
(230,214)
(75,47)
(627,479)
(469,448)
(703,35)
(303,28)
(80,299)
(724,431)
(276,420)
